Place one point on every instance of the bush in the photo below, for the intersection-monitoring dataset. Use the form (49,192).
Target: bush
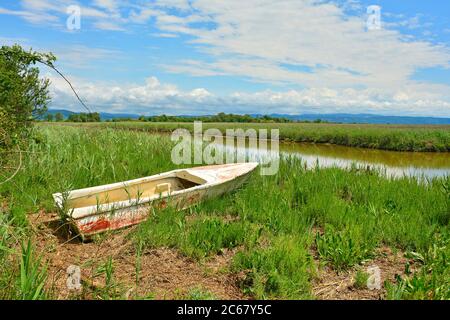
(343,249)
(432,280)
(282,270)
(23,95)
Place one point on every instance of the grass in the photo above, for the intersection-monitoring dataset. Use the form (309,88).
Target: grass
(111,289)
(199,239)
(22,273)
(282,270)
(200,294)
(387,137)
(32,275)
(345,248)
(433,279)
(277,224)
(210,236)
(361,278)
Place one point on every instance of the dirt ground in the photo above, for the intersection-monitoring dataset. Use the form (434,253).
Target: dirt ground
(341,286)
(164,273)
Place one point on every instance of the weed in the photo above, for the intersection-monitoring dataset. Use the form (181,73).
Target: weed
(343,249)
(399,137)
(432,281)
(282,270)
(111,289)
(198,293)
(355,210)
(361,278)
(211,235)
(32,275)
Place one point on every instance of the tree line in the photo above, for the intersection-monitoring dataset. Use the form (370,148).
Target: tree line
(220,117)
(74,117)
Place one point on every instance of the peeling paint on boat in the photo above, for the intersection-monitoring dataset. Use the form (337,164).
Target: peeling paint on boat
(208,182)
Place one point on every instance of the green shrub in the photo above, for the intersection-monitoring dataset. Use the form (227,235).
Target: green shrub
(22,94)
(32,275)
(432,281)
(211,235)
(343,249)
(361,278)
(281,270)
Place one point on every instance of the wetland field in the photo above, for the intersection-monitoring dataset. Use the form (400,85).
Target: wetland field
(311,231)
(429,138)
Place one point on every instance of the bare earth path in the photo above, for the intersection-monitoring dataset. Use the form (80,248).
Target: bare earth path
(164,273)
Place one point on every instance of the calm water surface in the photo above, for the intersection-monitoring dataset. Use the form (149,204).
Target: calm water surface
(391,163)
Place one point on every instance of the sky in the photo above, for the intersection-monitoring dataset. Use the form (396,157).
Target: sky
(235,56)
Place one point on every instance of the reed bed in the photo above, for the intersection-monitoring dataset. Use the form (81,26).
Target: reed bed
(282,228)
(429,138)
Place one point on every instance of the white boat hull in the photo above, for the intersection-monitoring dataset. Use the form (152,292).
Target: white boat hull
(90,216)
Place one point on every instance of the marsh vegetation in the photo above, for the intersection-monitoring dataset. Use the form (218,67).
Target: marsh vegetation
(280,233)
(430,138)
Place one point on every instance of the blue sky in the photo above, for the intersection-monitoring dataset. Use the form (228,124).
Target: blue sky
(254,56)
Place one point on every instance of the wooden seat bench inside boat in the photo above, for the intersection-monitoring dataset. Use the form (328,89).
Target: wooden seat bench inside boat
(159,186)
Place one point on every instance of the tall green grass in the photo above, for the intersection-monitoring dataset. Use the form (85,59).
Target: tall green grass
(198,239)
(32,275)
(433,279)
(344,248)
(387,137)
(277,224)
(23,275)
(282,269)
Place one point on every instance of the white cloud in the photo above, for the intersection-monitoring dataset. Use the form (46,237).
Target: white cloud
(45,12)
(75,56)
(150,97)
(142,15)
(110,5)
(414,22)
(256,38)
(80,56)
(165,35)
(31,16)
(153,97)
(108,25)
(312,44)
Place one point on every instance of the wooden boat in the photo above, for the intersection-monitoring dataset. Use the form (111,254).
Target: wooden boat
(118,205)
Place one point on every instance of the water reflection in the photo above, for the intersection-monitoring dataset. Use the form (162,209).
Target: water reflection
(391,163)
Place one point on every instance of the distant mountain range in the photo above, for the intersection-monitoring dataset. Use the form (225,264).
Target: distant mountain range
(330,117)
(365,118)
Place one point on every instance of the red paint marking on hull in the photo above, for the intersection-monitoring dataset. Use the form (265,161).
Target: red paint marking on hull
(105,223)
(95,226)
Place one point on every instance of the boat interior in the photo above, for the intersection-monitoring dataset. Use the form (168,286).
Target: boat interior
(134,190)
